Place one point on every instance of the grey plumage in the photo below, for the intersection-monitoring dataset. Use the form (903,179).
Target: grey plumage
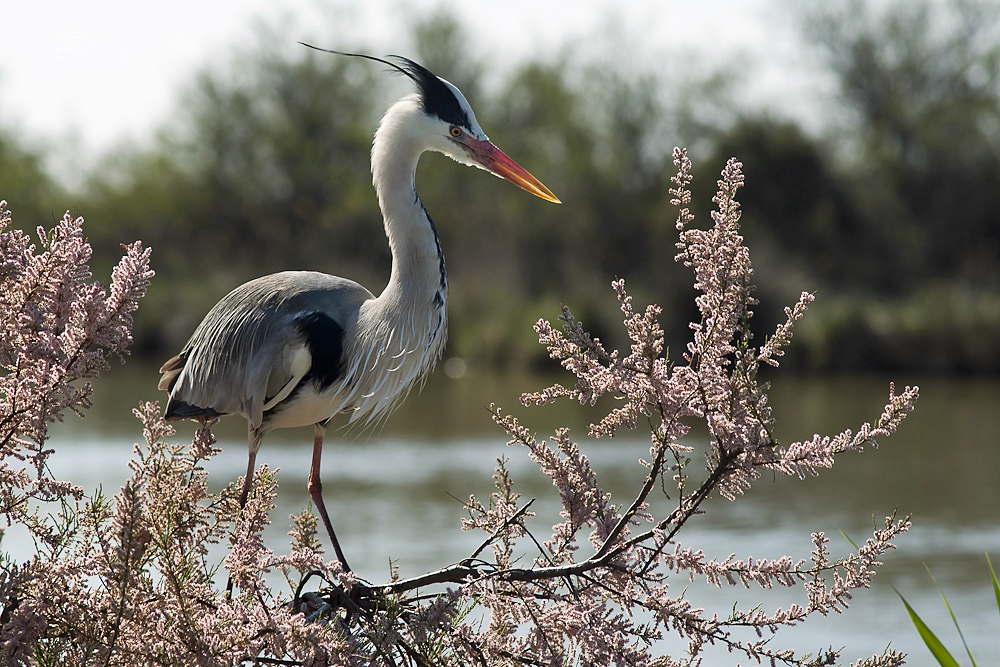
(242,354)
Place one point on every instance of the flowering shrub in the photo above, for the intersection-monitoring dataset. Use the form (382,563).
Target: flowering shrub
(128,581)
(57,330)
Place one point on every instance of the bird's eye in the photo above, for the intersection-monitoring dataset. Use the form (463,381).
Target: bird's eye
(456,131)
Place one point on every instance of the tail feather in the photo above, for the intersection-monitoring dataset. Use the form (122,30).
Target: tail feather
(181,410)
(177,409)
(170,372)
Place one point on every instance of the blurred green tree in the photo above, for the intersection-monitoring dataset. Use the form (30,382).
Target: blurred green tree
(894,216)
(266,167)
(922,80)
(25,183)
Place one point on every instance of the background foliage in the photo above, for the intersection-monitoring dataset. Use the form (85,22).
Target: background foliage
(890,211)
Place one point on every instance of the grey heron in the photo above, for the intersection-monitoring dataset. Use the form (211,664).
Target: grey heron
(297,348)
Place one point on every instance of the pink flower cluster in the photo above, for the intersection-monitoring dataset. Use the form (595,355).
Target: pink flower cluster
(59,329)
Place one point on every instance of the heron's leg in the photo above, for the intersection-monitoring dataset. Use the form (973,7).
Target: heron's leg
(316,492)
(248,480)
(245,493)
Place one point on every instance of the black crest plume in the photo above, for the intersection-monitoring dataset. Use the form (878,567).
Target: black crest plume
(435,97)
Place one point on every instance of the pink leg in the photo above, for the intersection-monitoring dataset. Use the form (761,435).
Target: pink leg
(316,492)
(248,480)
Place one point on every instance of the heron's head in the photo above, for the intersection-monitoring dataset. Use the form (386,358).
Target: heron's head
(448,125)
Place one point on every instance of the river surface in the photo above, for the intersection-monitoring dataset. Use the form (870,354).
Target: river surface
(396,494)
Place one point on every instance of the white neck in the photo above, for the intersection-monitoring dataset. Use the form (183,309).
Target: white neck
(417,261)
(401,333)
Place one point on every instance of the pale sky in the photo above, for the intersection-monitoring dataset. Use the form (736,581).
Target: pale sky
(91,74)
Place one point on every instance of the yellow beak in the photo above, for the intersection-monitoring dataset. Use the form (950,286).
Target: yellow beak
(496,161)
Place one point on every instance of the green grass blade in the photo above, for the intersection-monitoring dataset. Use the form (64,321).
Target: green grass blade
(996,586)
(952,614)
(849,540)
(934,644)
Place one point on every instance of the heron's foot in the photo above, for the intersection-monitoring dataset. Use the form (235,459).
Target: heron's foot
(355,600)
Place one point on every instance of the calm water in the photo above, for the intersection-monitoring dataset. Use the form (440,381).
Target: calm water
(393,494)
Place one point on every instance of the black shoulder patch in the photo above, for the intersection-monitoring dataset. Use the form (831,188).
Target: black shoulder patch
(325,339)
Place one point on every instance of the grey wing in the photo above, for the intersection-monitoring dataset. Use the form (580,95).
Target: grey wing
(259,342)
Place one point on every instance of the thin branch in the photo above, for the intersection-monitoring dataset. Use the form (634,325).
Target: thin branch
(496,533)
